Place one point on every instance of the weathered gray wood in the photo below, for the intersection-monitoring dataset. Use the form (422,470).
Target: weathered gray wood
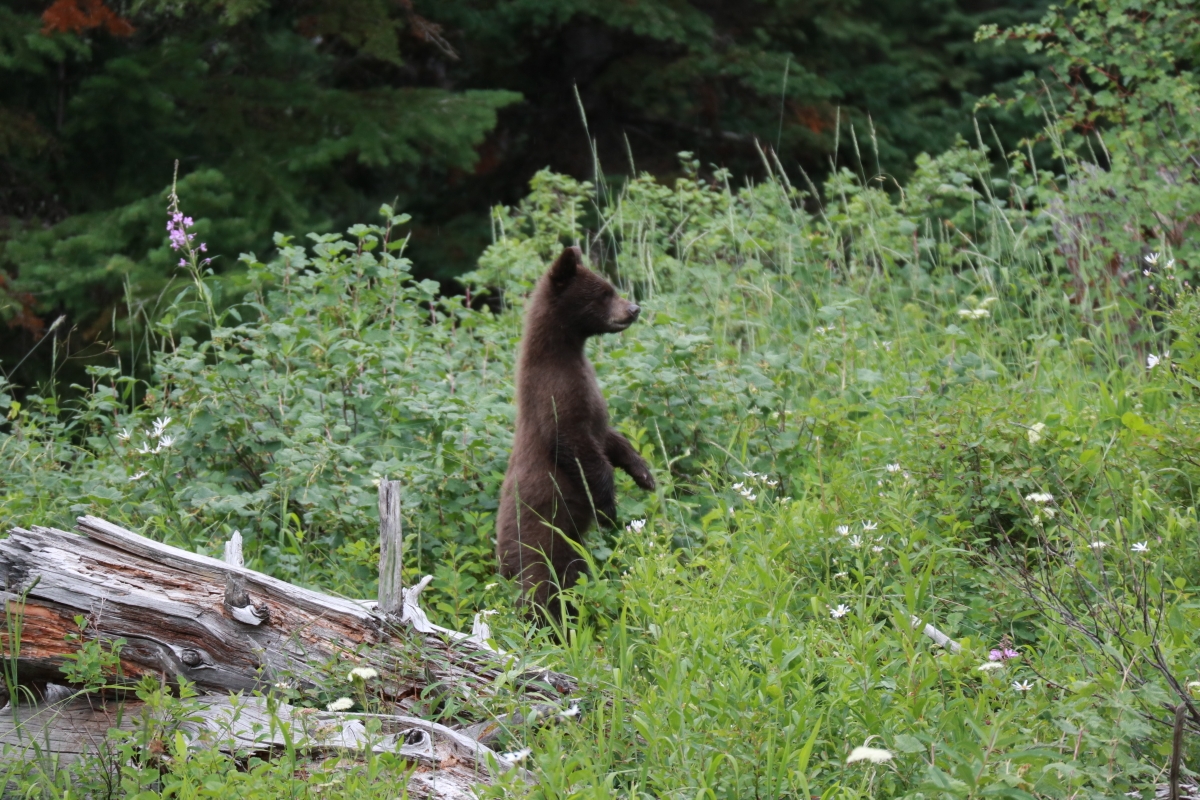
(391,548)
(233,550)
(227,628)
(449,763)
(174,610)
(940,638)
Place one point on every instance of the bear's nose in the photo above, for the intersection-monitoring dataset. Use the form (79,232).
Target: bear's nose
(634,310)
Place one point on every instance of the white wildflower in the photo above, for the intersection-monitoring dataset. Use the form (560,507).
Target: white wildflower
(636,526)
(1140,547)
(991,666)
(1152,259)
(366,673)
(1022,686)
(164,443)
(341,704)
(1193,686)
(1152,361)
(124,434)
(490,586)
(748,494)
(517,756)
(856,541)
(145,449)
(138,476)
(1098,545)
(1040,497)
(877,549)
(772,483)
(974,313)
(839,611)
(1035,432)
(738,486)
(567,713)
(841,574)
(893,467)
(876,755)
(870,526)
(160,426)
(1171,264)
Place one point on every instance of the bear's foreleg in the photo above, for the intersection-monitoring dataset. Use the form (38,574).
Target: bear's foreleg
(621,453)
(588,463)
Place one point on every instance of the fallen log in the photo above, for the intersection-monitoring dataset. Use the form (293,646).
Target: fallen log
(225,628)
(221,626)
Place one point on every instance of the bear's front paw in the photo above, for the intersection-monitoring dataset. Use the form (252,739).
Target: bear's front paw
(644,479)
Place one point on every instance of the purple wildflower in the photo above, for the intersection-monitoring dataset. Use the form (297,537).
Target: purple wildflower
(177,230)
(1003,655)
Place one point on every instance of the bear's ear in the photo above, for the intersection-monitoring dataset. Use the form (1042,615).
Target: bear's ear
(565,267)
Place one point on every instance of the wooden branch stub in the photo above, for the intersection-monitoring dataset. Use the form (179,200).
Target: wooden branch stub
(937,636)
(391,548)
(233,550)
(237,599)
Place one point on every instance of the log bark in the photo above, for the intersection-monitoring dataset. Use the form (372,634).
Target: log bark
(226,628)
(448,763)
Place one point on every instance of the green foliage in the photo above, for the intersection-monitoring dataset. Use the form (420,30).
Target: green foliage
(87,667)
(1122,107)
(865,415)
(298,118)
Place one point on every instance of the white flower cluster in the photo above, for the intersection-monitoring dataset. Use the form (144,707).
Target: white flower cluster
(363,673)
(1153,360)
(162,441)
(341,704)
(876,755)
(1035,432)
(745,491)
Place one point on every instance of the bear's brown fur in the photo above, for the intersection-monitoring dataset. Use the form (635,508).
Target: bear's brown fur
(560,474)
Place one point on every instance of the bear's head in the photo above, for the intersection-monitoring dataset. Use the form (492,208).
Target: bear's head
(585,301)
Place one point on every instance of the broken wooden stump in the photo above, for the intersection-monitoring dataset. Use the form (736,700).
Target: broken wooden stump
(228,629)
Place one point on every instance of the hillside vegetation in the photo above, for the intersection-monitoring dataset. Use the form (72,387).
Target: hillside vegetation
(969,401)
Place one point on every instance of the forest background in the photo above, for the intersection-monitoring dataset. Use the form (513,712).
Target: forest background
(298,117)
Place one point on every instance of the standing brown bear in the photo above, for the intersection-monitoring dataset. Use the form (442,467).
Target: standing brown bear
(560,474)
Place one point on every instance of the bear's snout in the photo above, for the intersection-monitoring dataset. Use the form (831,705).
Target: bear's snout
(620,322)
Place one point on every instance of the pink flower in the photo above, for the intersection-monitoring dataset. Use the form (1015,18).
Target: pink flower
(1003,655)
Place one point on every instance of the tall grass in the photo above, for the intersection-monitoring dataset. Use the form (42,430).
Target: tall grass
(852,407)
